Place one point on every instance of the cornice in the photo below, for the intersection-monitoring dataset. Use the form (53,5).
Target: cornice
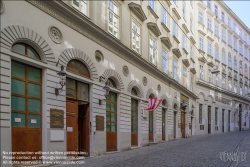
(220,90)
(65,14)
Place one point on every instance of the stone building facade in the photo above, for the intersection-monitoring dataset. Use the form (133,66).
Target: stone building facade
(143,48)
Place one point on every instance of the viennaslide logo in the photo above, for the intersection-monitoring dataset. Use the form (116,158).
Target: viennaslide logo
(233,156)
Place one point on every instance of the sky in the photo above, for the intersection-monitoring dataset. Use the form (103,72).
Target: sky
(241,9)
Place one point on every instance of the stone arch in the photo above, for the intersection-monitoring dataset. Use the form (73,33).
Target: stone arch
(110,73)
(210,97)
(165,97)
(175,101)
(201,94)
(151,91)
(70,54)
(137,86)
(13,34)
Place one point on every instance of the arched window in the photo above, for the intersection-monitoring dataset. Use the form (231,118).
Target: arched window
(164,103)
(246,70)
(25,50)
(175,106)
(241,67)
(229,60)
(77,67)
(111,83)
(134,92)
(235,63)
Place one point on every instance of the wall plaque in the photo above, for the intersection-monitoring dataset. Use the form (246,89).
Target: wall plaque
(99,122)
(56,118)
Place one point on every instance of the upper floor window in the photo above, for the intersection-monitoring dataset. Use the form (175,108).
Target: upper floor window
(241,92)
(164,61)
(184,42)
(25,50)
(164,16)
(230,85)
(216,10)
(234,27)
(223,57)
(200,16)
(229,40)
(224,82)
(184,77)
(136,37)
(222,16)
(152,51)
(245,52)
(217,53)
(245,37)
(223,35)
(201,43)
(210,80)
(175,2)
(209,23)
(209,48)
(216,29)
(246,70)
(235,87)
(229,23)
(217,80)
(209,4)
(81,5)
(184,11)
(175,71)
(201,72)
(191,24)
(229,61)
(235,44)
(113,19)
(235,64)
(240,33)
(152,4)
(241,66)
(191,51)
(249,72)
(241,49)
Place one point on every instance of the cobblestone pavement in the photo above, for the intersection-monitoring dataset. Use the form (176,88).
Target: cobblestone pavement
(198,151)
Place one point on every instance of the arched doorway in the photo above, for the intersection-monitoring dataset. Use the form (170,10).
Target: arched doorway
(174,122)
(151,123)
(26,103)
(111,119)
(134,119)
(77,109)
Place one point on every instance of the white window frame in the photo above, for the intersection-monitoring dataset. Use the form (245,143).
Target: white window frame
(175,29)
(81,6)
(223,16)
(164,58)
(216,10)
(152,4)
(216,29)
(235,64)
(164,16)
(223,35)
(201,72)
(224,82)
(191,83)
(209,23)
(229,40)
(154,48)
(223,57)
(175,75)
(200,17)
(116,15)
(201,43)
(217,80)
(184,11)
(184,41)
(217,53)
(137,34)
(184,77)
(209,48)
(229,61)
(209,4)
(210,76)
(235,44)
(229,22)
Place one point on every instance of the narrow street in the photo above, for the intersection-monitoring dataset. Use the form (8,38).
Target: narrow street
(197,151)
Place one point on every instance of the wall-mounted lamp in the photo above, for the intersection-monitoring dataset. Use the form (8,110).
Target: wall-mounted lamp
(106,88)
(62,75)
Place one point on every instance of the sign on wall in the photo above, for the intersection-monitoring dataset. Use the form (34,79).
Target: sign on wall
(56,118)
(99,122)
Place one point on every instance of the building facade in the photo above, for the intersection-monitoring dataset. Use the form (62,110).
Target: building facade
(143,49)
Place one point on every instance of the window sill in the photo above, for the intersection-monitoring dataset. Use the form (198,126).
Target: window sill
(217,60)
(210,30)
(165,27)
(201,23)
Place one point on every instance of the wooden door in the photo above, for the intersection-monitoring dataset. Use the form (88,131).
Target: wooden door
(151,126)
(229,120)
(174,126)
(222,120)
(71,125)
(163,124)
(209,119)
(26,109)
(83,129)
(134,122)
(111,122)
(183,122)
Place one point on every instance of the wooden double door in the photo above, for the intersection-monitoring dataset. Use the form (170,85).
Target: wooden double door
(151,126)
(183,123)
(77,126)
(209,119)
(134,122)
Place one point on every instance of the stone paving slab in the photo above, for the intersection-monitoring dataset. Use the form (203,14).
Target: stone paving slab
(198,151)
